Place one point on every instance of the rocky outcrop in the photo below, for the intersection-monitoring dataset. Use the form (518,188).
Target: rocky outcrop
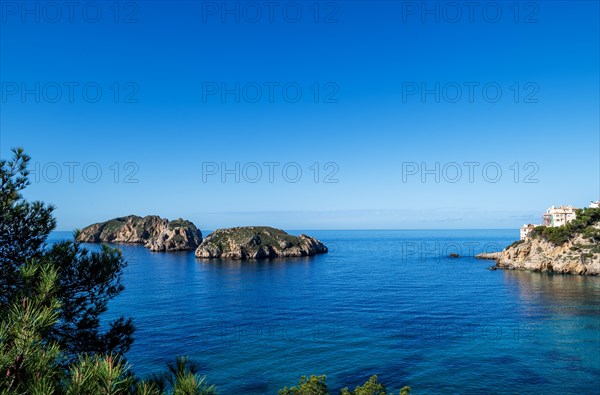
(489,255)
(257,242)
(578,255)
(157,234)
(178,235)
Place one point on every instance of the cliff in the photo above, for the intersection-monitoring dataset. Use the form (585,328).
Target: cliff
(157,234)
(256,242)
(573,248)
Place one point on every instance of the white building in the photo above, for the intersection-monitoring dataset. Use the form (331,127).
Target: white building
(526,230)
(595,204)
(559,216)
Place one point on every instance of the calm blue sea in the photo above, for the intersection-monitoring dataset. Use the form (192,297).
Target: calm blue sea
(381,302)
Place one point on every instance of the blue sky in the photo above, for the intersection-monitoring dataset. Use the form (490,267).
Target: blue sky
(168,122)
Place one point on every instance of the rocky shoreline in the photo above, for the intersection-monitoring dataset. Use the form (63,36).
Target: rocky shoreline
(579,255)
(489,255)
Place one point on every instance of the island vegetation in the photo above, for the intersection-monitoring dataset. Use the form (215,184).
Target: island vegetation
(51,303)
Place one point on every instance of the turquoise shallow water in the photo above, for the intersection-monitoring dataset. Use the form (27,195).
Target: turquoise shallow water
(381,302)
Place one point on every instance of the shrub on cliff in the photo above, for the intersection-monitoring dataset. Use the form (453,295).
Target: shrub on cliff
(582,224)
(516,243)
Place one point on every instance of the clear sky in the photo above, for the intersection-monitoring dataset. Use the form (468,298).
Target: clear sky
(370,100)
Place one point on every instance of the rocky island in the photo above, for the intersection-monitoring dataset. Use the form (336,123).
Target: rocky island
(257,242)
(157,234)
(572,248)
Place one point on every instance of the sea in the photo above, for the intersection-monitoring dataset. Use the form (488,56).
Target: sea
(391,303)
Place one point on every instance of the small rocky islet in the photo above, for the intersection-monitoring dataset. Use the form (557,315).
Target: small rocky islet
(156,233)
(257,242)
(240,243)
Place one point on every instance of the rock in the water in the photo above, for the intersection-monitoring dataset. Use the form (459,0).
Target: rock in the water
(157,234)
(257,242)
(489,255)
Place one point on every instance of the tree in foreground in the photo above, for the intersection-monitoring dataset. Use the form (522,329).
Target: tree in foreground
(24,226)
(31,362)
(51,301)
(28,360)
(86,281)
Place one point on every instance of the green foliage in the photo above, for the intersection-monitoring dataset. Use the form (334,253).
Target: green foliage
(405,390)
(182,376)
(592,234)
(98,374)
(555,235)
(51,300)
(255,236)
(24,226)
(583,224)
(371,387)
(315,385)
(516,243)
(28,361)
(86,281)
(32,363)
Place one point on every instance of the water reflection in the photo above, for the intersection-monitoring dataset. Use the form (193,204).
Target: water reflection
(558,293)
